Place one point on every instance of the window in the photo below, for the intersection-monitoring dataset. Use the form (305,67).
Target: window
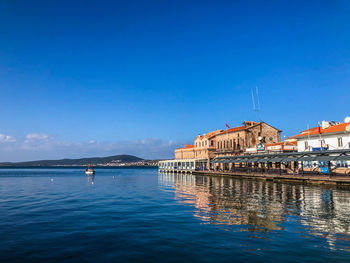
(343,164)
(322,143)
(306,145)
(340,142)
(211,143)
(307,164)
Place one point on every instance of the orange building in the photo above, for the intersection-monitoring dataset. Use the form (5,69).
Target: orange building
(246,138)
(232,141)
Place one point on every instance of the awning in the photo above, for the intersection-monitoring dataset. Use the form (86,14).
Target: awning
(343,158)
(325,158)
(277,159)
(265,160)
(307,159)
(291,159)
(253,160)
(240,160)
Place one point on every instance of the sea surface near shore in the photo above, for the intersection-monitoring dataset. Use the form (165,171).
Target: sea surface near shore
(138,215)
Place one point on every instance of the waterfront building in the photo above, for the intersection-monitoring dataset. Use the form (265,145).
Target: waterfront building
(218,143)
(187,152)
(327,136)
(278,147)
(251,136)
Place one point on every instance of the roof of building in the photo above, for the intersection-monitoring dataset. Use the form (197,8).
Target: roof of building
(187,146)
(289,143)
(240,128)
(341,127)
(208,135)
(245,127)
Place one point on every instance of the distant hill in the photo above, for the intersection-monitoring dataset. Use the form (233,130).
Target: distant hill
(116,159)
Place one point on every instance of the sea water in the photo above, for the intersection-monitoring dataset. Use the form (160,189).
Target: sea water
(138,215)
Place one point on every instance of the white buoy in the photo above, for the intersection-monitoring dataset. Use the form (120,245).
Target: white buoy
(51,180)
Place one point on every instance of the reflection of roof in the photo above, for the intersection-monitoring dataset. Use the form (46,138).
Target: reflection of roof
(318,130)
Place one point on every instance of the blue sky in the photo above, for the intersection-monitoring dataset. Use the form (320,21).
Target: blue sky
(93,78)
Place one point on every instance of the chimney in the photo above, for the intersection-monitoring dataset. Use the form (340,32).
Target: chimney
(248,123)
(325,124)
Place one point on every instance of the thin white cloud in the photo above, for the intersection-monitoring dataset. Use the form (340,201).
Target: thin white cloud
(37,136)
(6,138)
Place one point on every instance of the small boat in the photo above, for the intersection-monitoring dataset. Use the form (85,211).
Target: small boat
(89,171)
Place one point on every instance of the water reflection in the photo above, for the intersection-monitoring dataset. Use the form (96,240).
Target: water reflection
(90,179)
(261,207)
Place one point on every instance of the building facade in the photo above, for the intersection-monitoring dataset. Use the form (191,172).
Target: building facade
(327,136)
(251,135)
(233,141)
(187,152)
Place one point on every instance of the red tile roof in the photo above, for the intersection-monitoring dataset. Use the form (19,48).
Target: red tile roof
(341,127)
(294,143)
(209,134)
(187,146)
(240,128)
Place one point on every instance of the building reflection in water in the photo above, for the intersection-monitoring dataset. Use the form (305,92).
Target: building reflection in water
(261,207)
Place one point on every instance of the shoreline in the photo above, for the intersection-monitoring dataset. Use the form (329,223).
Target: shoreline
(77,166)
(338,181)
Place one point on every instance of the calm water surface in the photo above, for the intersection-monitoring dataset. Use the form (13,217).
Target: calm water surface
(138,215)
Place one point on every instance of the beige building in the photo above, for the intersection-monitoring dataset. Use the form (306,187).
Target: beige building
(186,152)
(250,135)
(232,141)
(204,147)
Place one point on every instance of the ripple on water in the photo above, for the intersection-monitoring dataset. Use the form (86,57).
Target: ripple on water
(137,215)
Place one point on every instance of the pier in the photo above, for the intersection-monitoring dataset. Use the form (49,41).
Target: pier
(182,165)
(336,180)
(321,167)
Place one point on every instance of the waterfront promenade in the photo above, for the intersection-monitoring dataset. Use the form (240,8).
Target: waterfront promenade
(337,180)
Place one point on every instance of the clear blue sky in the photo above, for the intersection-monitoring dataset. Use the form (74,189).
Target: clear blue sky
(85,78)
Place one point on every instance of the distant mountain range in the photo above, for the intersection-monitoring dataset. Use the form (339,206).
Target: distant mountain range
(116,160)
